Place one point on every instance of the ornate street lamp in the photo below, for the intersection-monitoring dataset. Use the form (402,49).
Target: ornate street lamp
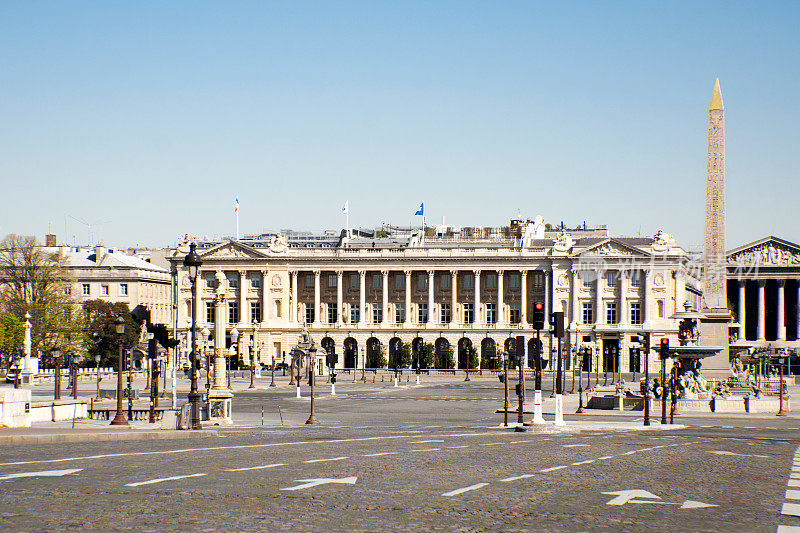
(312,354)
(192,263)
(75,360)
(234,351)
(206,333)
(119,418)
(57,360)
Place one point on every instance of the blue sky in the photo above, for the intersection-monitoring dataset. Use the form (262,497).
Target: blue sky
(150,117)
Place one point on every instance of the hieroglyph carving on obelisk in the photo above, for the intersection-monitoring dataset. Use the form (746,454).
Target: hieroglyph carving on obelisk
(714,250)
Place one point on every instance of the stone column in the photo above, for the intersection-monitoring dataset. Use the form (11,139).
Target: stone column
(761,315)
(408,297)
(598,298)
(264,296)
(476,312)
(741,313)
(454,302)
(385,302)
(797,309)
(220,329)
(316,298)
(500,314)
(622,284)
(431,319)
(573,317)
(548,275)
(523,297)
(362,302)
(339,298)
(645,288)
(294,308)
(781,312)
(198,298)
(244,314)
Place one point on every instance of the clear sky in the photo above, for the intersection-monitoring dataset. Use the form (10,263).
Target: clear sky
(148,118)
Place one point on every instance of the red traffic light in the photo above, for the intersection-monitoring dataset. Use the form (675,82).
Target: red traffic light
(539,306)
(665,342)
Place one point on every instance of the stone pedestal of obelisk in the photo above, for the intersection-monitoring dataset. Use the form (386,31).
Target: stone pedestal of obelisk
(220,396)
(713,329)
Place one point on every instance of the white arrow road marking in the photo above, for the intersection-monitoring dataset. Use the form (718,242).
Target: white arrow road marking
(48,473)
(724,452)
(254,467)
(313,482)
(323,460)
(159,480)
(464,489)
(623,496)
(691,504)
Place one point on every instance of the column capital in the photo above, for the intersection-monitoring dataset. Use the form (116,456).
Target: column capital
(781,282)
(362,272)
(317,273)
(761,282)
(407,272)
(385,273)
(431,272)
(500,274)
(523,272)
(339,273)
(476,271)
(453,272)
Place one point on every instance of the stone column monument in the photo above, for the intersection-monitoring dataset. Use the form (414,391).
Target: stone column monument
(219,397)
(714,327)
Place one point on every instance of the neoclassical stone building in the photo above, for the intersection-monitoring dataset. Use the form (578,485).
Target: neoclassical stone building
(456,289)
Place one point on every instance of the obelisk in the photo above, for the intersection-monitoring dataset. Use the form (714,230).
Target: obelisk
(714,328)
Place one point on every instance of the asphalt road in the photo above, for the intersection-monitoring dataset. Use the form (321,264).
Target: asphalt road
(429,458)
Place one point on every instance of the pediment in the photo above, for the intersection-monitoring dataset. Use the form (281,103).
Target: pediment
(769,251)
(231,250)
(611,248)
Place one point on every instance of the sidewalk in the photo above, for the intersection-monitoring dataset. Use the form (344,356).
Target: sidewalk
(85,430)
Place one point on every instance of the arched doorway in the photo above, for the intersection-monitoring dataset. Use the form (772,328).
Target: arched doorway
(510,348)
(442,351)
(464,348)
(395,345)
(417,346)
(489,353)
(329,346)
(350,352)
(373,353)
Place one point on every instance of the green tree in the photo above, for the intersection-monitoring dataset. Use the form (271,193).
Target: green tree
(101,327)
(12,333)
(405,355)
(445,359)
(473,357)
(426,358)
(382,362)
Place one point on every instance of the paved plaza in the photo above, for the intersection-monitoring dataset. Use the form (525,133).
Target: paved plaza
(432,457)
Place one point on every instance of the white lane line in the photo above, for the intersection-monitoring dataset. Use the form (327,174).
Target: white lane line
(522,442)
(791,509)
(379,454)
(583,462)
(514,478)
(424,441)
(792,494)
(426,450)
(788,529)
(794,475)
(574,445)
(48,473)
(455,447)
(323,460)
(603,458)
(260,467)
(490,443)
(552,468)
(794,483)
(161,479)
(231,447)
(464,489)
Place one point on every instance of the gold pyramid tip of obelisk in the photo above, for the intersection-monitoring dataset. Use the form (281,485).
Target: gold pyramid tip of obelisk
(716,98)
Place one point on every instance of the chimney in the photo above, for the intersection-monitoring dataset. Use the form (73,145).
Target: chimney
(50,240)
(99,252)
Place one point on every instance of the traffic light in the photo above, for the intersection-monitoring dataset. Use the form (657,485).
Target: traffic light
(538,315)
(664,348)
(557,324)
(331,359)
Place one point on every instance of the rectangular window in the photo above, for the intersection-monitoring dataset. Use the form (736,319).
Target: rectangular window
(123,289)
(444,281)
(422,281)
(255,311)
(636,278)
(233,281)
(332,313)
(400,282)
(68,291)
(538,280)
(211,281)
(636,313)
(332,281)
(445,314)
(86,289)
(611,278)
(399,313)
(514,313)
(611,313)
(660,308)
(491,280)
(377,313)
(588,279)
(309,281)
(469,313)
(255,280)
(233,312)
(513,280)
(491,313)
(104,289)
(355,314)
(469,281)
(354,283)
(588,315)
(309,313)
(377,281)
(209,312)
(422,314)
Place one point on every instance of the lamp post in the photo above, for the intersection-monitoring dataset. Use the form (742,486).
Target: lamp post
(119,418)
(253,354)
(192,262)
(780,412)
(75,360)
(505,389)
(234,351)
(605,365)
(574,365)
(312,355)
(272,383)
(16,358)
(57,361)
(580,384)
(206,333)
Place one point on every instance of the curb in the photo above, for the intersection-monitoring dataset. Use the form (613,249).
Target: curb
(10,440)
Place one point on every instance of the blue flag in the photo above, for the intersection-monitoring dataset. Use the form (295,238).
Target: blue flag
(421,210)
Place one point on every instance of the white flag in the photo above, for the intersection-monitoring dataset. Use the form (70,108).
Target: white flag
(346,208)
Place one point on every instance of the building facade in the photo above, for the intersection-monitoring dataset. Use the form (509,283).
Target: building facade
(454,290)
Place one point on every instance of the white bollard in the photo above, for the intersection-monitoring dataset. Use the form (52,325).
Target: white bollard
(537,408)
(395,382)
(620,403)
(298,392)
(559,421)
(333,389)
(417,379)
